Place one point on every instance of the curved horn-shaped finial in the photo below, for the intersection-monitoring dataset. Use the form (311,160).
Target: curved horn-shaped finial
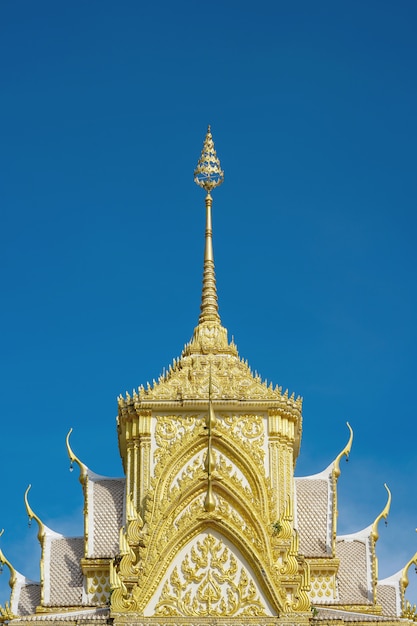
(345,452)
(383,514)
(404,575)
(4,561)
(74,459)
(33,515)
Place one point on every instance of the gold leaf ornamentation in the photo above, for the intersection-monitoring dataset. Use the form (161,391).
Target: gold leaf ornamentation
(231,378)
(210,583)
(174,429)
(248,430)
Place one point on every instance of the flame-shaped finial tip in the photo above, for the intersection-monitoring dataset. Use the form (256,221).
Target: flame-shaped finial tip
(208,173)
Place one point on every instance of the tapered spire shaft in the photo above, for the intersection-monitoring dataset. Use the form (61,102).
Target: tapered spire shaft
(208,175)
(209,308)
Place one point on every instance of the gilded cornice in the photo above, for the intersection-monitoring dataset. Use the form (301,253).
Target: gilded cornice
(318,564)
(301,619)
(366,609)
(94,564)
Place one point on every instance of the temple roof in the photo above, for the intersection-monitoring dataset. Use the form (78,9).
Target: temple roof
(209,354)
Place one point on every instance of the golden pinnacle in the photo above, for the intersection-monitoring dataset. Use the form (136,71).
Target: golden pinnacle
(208,173)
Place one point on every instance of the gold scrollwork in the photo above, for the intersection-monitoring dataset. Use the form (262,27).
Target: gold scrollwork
(210,583)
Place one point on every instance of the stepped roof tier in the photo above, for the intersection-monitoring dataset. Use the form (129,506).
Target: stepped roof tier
(209,524)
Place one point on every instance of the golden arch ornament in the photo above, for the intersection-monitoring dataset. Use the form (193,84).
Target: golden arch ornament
(209,582)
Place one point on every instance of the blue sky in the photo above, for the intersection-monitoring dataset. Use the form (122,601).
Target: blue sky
(104,107)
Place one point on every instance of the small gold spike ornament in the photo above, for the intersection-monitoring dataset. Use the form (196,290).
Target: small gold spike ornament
(208,174)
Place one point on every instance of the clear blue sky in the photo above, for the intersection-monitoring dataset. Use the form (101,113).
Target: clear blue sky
(104,107)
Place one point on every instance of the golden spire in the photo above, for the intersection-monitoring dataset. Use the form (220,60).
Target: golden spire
(208,175)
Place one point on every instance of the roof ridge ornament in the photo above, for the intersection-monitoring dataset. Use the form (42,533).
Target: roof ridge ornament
(74,459)
(345,452)
(32,515)
(4,561)
(407,609)
(384,514)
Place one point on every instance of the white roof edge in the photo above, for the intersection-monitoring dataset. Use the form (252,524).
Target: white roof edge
(52,534)
(324,474)
(93,476)
(49,533)
(391,580)
(359,535)
(21,579)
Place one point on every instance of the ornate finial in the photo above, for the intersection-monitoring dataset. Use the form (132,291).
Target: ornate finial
(4,561)
(404,584)
(75,459)
(345,452)
(383,514)
(208,173)
(32,515)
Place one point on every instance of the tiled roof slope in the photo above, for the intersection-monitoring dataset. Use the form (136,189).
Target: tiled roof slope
(29,598)
(389,594)
(87,616)
(105,498)
(314,514)
(354,576)
(26,595)
(387,598)
(325,616)
(63,576)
